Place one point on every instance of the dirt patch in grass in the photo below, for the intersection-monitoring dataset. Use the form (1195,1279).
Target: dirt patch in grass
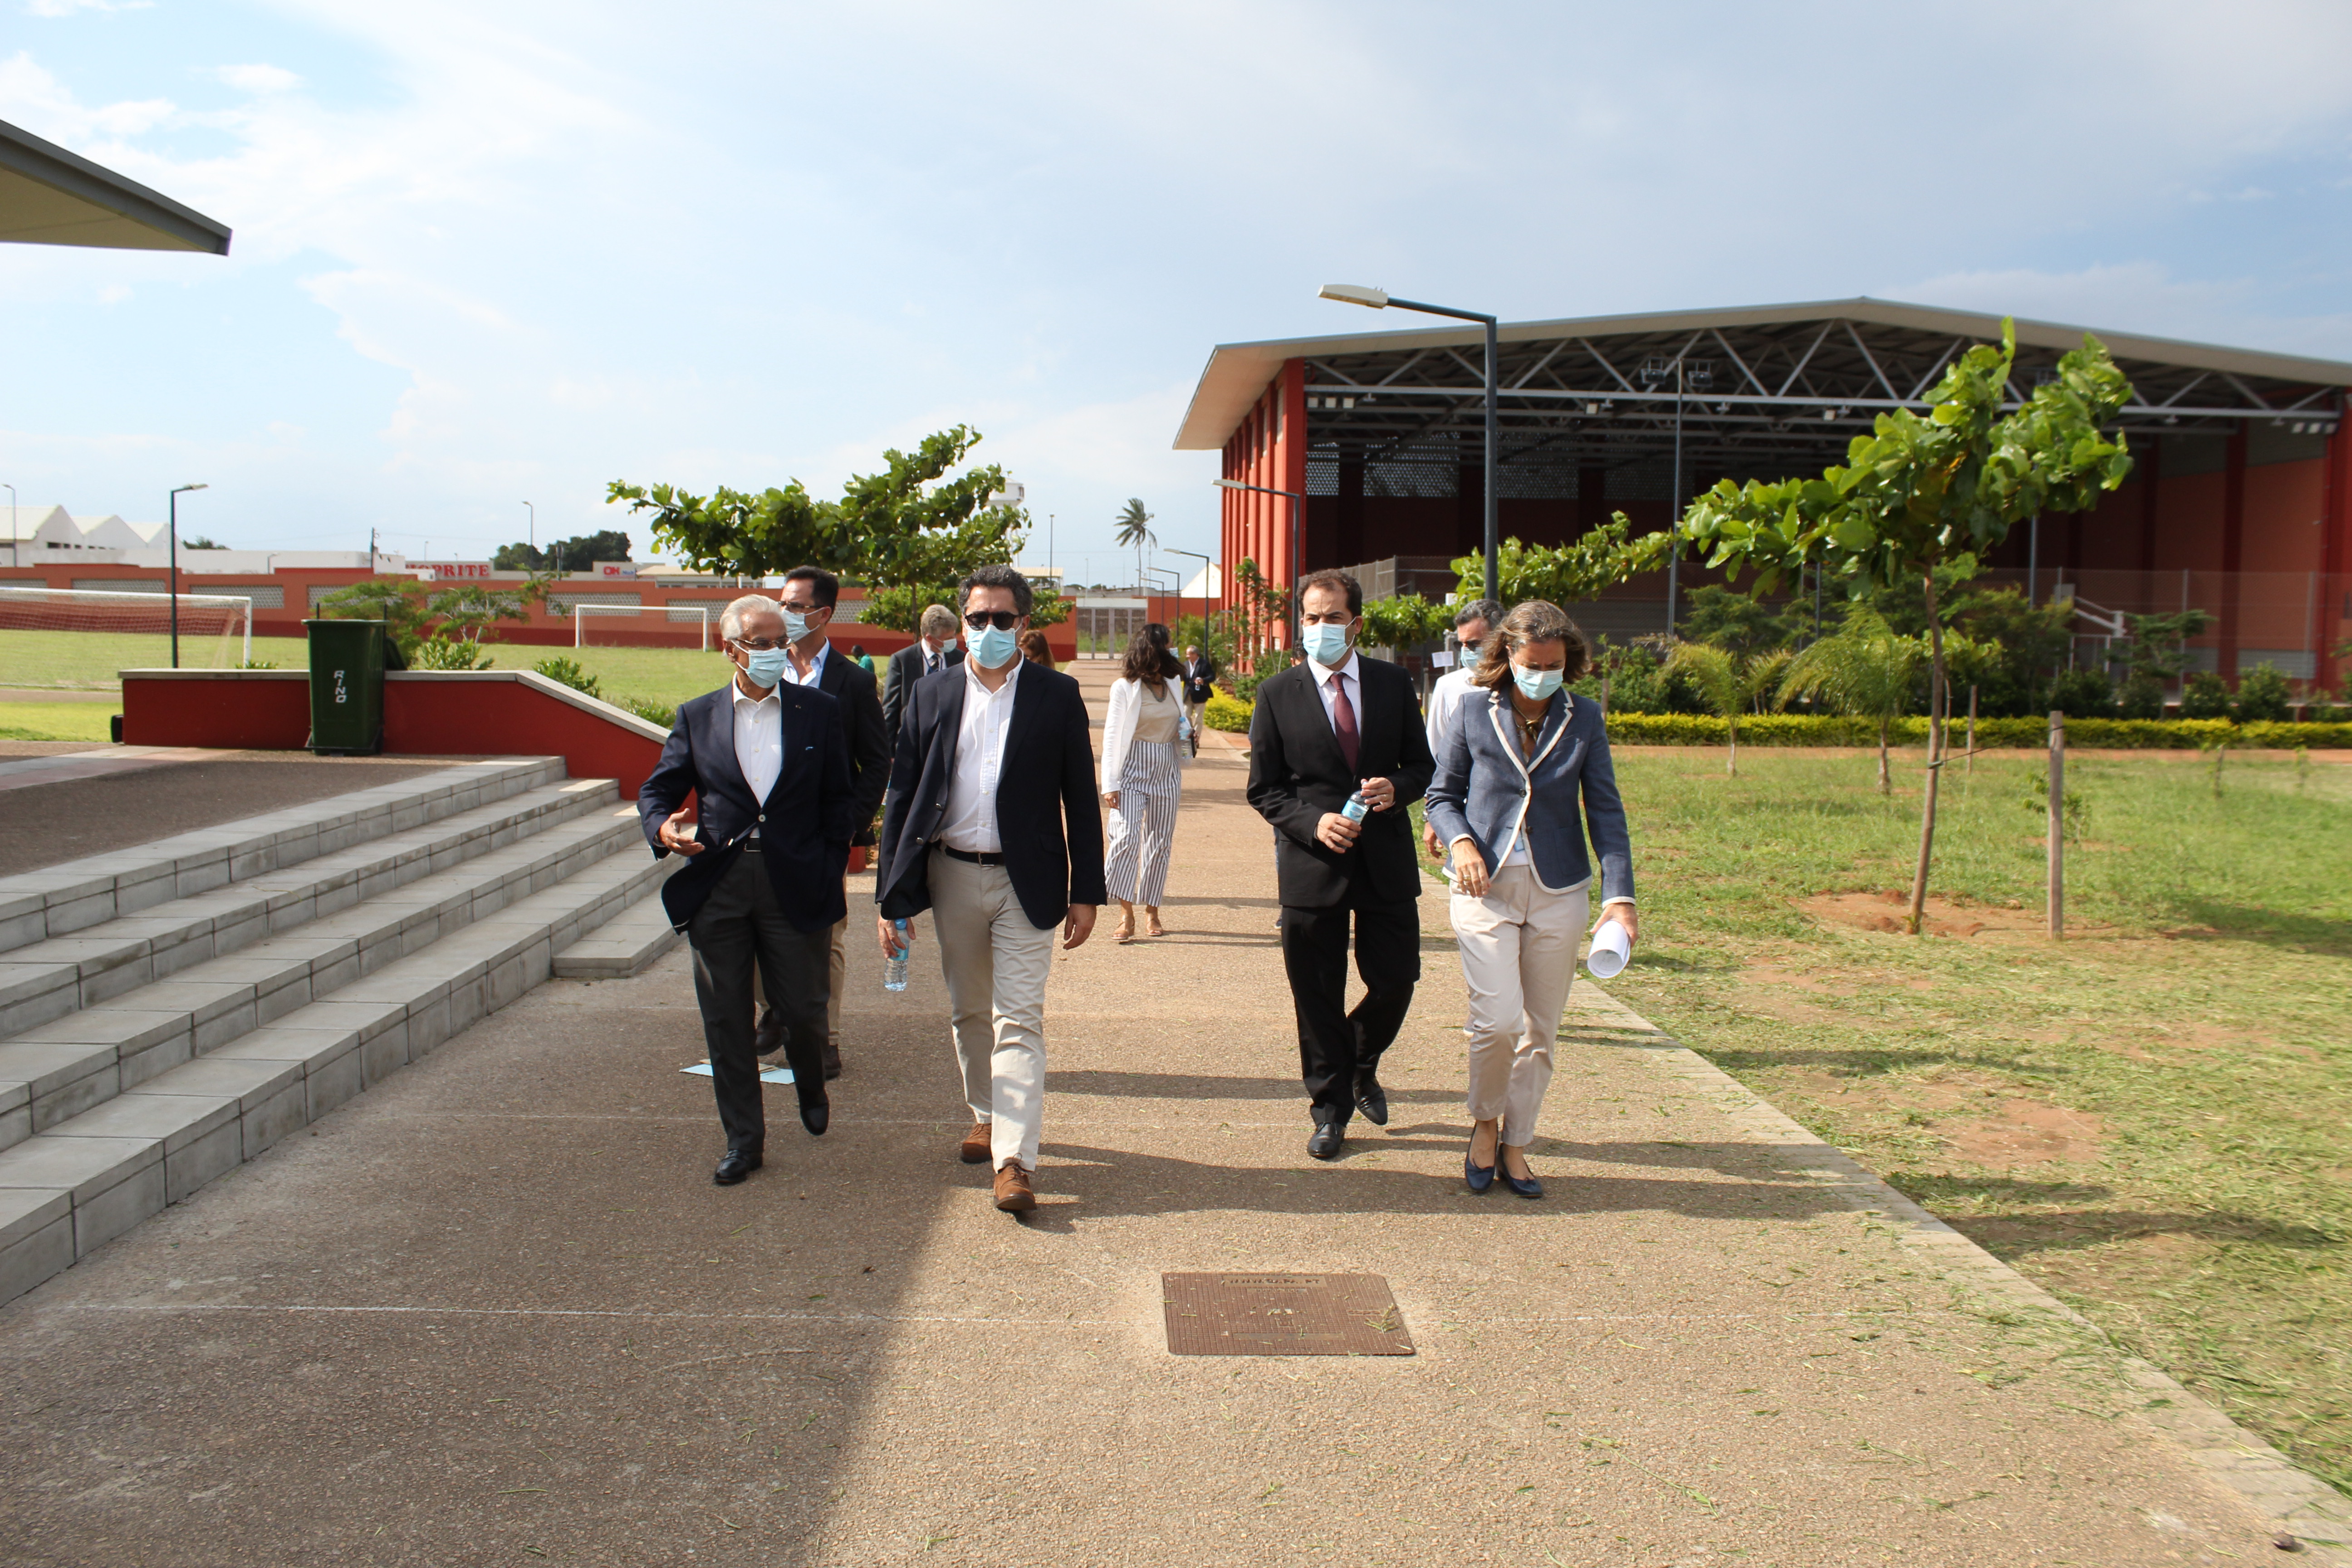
(1884,910)
(2025,1132)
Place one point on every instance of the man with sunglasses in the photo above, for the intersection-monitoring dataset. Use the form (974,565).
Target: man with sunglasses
(767,763)
(990,823)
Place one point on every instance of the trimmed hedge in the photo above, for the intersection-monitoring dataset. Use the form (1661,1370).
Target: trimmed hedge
(1225,712)
(1807,729)
(1228,712)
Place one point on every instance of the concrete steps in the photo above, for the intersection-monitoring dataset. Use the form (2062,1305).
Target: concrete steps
(339,968)
(625,945)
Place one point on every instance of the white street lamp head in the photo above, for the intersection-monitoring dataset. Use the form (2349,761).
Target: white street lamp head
(1355,294)
(1233,484)
(192,488)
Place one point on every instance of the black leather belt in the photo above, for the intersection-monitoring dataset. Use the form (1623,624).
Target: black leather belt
(976,857)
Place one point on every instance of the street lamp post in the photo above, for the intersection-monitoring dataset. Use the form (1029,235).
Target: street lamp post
(173,528)
(1296,502)
(1378,300)
(15,557)
(1204,588)
(533,542)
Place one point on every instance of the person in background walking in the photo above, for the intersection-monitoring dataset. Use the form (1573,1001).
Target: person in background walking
(1471,625)
(991,824)
(865,661)
(1143,748)
(1199,676)
(767,764)
(933,651)
(1339,726)
(1034,648)
(810,596)
(1506,801)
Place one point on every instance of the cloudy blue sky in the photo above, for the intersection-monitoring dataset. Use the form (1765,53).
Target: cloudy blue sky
(493,251)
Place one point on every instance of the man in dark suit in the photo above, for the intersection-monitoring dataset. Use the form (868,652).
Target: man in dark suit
(1334,726)
(809,598)
(991,824)
(1198,676)
(930,653)
(768,766)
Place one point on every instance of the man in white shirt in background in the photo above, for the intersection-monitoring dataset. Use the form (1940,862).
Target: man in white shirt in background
(1471,622)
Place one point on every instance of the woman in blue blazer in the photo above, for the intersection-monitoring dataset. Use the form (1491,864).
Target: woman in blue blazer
(1523,778)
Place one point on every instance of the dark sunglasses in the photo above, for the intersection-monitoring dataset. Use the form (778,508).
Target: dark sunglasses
(1002,620)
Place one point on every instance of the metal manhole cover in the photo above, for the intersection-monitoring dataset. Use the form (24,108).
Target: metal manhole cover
(1282,1314)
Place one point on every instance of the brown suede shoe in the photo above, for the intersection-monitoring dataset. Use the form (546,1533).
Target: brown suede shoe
(976,1147)
(1013,1193)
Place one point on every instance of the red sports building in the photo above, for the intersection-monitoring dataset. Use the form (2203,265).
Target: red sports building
(2241,501)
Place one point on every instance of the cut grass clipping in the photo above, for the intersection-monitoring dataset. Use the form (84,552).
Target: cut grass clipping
(2152,1119)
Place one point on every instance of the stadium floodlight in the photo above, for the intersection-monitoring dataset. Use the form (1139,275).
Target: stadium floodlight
(177,491)
(1380,300)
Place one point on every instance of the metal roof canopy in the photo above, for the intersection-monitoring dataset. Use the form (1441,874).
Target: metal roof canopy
(51,196)
(1767,384)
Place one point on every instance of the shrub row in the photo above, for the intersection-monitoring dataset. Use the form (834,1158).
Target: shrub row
(1807,729)
(1226,713)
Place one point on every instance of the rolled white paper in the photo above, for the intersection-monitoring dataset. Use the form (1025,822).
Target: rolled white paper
(1611,949)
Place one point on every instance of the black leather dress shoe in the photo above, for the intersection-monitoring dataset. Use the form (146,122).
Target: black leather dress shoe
(768,1037)
(816,1115)
(1328,1136)
(1371,1098)
(736,1165)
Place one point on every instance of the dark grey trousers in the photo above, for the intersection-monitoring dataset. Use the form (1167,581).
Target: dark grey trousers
(739,928)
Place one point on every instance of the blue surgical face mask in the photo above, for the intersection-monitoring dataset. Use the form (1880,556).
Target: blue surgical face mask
(796,625)
(1537,685)
(994,646)
(765,666)
(1326,644)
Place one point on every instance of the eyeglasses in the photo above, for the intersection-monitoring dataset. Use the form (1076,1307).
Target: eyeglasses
(757,645)
(1002,620)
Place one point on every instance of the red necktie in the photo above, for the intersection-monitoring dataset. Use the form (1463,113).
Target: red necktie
(1343,720)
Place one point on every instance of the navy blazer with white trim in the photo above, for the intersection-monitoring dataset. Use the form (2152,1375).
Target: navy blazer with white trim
(1485,788)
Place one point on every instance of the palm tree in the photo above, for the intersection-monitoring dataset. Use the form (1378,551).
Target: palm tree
(1135,528)
(1728,683)
(1868,670)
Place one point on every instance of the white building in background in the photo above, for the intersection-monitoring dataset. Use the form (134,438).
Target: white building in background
(50,536)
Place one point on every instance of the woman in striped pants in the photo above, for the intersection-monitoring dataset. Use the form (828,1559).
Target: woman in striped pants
(1143,748)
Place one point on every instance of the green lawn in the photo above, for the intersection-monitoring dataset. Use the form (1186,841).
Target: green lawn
(665,675)
(58,720)
(2152,1119)
(90,660)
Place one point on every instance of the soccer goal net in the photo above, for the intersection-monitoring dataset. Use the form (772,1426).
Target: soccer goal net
(84,637)
(643,626)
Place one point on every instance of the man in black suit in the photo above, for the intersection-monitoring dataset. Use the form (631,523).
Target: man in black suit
(768,766)
(991,824)
(933,651)
(1334,726)
(809,598)
(1198,676)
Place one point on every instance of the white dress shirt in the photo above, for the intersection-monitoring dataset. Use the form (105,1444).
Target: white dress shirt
(970,821)
(1445,699)
(817,665)
(1347,674)
(759,741)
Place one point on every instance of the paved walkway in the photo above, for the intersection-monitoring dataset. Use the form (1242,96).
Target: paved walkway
(494,1312)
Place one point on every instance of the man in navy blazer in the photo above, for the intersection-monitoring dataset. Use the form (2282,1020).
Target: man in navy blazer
(767,763)
(992,824)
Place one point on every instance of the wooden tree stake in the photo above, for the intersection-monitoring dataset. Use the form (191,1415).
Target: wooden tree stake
(2057,825)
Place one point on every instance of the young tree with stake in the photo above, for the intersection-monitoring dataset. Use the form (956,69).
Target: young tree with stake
(1919,490)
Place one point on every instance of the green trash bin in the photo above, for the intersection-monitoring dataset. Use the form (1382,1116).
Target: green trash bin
(347,663)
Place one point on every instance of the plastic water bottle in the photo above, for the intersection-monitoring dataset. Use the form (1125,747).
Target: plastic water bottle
(1356,807)
(894,968)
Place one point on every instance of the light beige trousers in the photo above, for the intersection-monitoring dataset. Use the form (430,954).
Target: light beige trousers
(1518,955)
(996,964)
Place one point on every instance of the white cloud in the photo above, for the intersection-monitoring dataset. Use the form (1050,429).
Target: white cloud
(256,78)
(69,8)
(2141,296)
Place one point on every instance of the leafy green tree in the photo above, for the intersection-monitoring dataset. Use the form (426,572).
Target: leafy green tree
(2083,694)
(2204,696)
(578,554)
(201,542)
(2262,694)
(2155,655)
(1397,624)
(1868,671)
(1564,574)
(736,534)
(1736,622)
(901,609)
(1731,684)
(399,602)
(1920,491)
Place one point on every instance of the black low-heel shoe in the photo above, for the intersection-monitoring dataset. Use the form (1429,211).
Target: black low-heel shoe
(1529,1188)
(816,1115)
(1480,1177)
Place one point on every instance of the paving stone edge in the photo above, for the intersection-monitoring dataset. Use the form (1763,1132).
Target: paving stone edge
(2294,1500)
